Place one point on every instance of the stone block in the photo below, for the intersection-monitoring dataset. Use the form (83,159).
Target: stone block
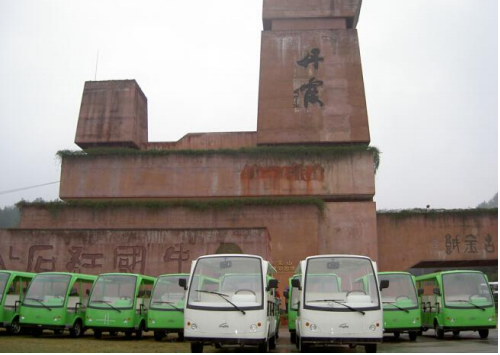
(311,88)
(216,176)
(300,9)
(112,114)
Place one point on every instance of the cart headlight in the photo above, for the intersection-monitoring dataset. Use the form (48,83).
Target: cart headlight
(253,328)
(194,326)
(58,318)
(373,327)
(489,319)
(152,321)
(313,327)
(22,317)
(125,321)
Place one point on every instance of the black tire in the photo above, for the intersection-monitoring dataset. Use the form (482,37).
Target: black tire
(97,334)
(138,333)
(413,336)
(439,332)
(196,347)
(37,332)
(76,330)
(293,337)
(180,335)
(483,333)
(397,335)
(272,343)
(159,334)
(370,348)
(303,348)
(15,327)
(264,347)
(456,332)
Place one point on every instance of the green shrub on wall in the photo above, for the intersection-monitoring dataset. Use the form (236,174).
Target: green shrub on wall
(193,204)
(415,212)
(280,152)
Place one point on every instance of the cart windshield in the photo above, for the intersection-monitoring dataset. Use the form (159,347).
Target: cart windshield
(113,291)
(340,284)
(4,277)
(401,292)
(239,283)
(47,290)
(167,293)
(466,290)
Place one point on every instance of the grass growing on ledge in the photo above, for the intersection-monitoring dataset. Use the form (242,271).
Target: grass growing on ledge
(197,205)
(279,152)
(407,213)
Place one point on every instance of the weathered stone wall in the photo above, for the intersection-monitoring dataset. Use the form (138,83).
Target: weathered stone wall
(406,241)
(152,252)
(295,232)
(175,176)
(205,141)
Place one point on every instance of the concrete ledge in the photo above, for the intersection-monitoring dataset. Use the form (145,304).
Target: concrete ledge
(214,176)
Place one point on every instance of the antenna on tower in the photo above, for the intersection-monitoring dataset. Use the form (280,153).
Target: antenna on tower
(96,64)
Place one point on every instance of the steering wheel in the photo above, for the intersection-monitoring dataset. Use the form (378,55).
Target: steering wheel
(402,296)
(244,290)
(359,291)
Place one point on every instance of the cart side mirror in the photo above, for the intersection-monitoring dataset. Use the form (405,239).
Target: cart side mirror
(183,283)
(296,284)
(384,284)
(272,284)
(436,291)
(420,291)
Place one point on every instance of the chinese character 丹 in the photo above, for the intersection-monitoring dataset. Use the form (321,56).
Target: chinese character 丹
(452,244)
(312,57)
(311,93)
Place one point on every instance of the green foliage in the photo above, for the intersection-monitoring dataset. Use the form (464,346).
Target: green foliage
(435,213)
(265,152)
(493,203)
(9,217)
(197,205)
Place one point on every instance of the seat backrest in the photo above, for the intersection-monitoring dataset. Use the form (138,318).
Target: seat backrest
(72,301)
(10,300)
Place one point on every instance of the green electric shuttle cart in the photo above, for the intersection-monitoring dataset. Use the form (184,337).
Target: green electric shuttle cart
(166,309)
(454,301)
(400,302)
(292,301)
(118,303)
(56,301)
(13,285)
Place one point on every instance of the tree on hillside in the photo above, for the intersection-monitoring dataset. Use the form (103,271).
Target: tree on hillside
(493,203)
(9,217)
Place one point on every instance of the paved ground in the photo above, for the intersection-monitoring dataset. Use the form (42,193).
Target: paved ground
(467,342)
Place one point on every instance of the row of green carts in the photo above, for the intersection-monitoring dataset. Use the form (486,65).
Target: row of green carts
(113,302)
(447,302)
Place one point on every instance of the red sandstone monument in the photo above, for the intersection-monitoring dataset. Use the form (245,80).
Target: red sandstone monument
(303,184)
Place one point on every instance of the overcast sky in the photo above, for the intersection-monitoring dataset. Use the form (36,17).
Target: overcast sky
(430,69)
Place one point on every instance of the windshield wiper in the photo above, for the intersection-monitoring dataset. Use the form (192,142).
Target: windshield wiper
(342,304)
(394,304)
(36,299)
(171,304)
(223,296)
(109,304)
(484,309)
